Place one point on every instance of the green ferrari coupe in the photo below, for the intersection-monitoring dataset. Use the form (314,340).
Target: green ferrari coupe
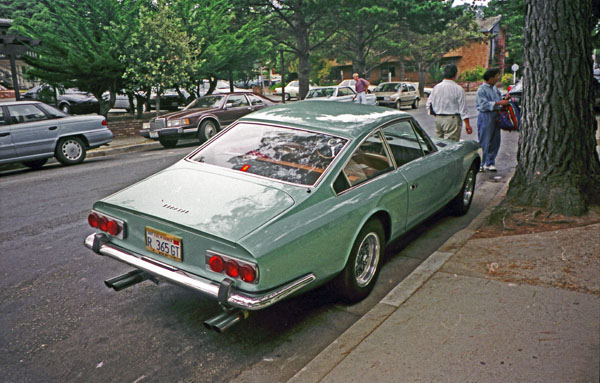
(284,200)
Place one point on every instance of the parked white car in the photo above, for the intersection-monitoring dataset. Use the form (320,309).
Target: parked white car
(291,90)
(336,93)
(352,84)
(397,94)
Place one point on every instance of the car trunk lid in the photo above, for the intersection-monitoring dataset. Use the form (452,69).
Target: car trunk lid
(215,204)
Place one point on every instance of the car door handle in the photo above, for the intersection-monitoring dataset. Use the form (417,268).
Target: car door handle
(4,134)
(413,186)
(53,128)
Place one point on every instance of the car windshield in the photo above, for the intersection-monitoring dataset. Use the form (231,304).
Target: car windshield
(283,154)
(206,102)
(387,87)
(322,92)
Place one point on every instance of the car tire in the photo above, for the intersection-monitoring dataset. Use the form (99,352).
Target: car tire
(415,103)
(70,151)
(168,143)
(208,128)
(36,164)
(65,108)
(287,97)
(357,279)
(461,203)
(399,104)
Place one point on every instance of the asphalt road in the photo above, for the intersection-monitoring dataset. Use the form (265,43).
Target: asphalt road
(60,323)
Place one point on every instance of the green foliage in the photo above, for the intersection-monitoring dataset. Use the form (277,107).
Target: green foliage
(80,43)
(506,79)
(13,9)
(364,27)
(475,74)
(158,53)
(435,72)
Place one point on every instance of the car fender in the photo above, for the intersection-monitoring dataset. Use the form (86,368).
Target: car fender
(209,117)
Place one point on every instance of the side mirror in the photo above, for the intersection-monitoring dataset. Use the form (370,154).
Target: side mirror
(229,105)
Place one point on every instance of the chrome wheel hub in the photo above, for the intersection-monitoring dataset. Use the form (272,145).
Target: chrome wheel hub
(469,187)
(71,150)
(367,260)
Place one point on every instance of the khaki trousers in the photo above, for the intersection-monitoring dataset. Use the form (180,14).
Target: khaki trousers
(448,127)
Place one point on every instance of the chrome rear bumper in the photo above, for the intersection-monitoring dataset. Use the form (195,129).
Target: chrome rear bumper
(224,292)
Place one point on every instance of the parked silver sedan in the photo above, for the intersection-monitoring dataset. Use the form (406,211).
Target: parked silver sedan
(31,132)
(336,93)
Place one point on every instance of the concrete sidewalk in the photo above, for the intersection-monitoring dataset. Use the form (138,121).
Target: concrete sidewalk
(521,308)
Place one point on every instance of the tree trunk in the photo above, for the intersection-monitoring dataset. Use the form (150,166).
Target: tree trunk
(558,166)
(303,46)
(422,68)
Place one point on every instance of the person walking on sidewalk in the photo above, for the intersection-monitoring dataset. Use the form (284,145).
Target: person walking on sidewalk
(448,103)
(489,101)
(361,89)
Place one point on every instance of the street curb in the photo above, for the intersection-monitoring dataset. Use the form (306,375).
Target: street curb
(336,352)
(121,149)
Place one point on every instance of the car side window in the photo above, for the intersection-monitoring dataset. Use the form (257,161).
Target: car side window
(404,88)
(25,113)
(346,92)
(411,88)
(403,141)
(255,101)
(426,144)
(369,160)
(238,100)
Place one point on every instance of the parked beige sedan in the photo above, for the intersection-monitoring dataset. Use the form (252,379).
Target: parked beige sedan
(397,94)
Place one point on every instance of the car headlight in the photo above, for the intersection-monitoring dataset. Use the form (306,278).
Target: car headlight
(178,122)
(146,126)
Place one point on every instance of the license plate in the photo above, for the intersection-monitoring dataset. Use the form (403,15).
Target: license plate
(164,244)
(153,134)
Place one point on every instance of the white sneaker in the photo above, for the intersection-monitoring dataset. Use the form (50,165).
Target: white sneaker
(490,168)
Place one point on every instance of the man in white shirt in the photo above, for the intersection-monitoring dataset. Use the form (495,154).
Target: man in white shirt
(447,102)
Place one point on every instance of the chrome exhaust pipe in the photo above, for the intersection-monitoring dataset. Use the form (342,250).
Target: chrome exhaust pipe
(126,280)
(226,320)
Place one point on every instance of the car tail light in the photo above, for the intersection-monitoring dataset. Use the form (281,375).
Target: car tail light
(508,89)
(93,220)
(216,264)
(103,224)
(247,274)
(234,268)
(104,123)
(112,226)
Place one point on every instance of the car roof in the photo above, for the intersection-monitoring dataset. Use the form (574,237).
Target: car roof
(336,118)
(19,102)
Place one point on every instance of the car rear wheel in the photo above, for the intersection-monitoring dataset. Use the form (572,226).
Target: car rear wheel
(461,203)
(207,130)
(357,279)
(399,104)
(65,108)
(70,151)
(415,103)
(287,97)
(37,164)
(168,143)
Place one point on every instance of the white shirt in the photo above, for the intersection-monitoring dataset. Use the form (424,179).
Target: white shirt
(448,97)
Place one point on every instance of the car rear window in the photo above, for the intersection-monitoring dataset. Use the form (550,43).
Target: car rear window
(285,154)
